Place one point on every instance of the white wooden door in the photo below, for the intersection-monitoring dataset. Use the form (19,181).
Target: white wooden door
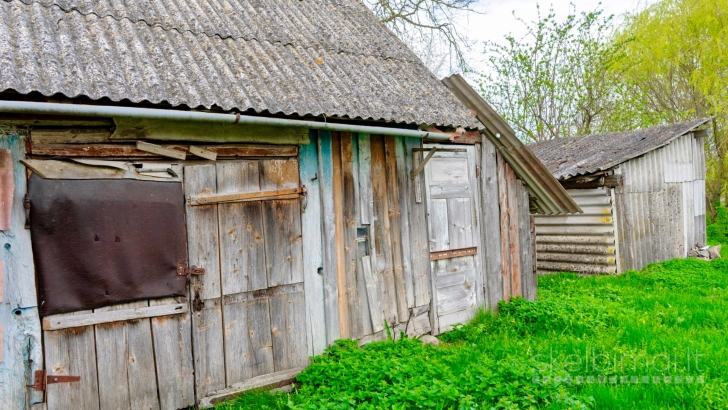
(452,202)
(248,310)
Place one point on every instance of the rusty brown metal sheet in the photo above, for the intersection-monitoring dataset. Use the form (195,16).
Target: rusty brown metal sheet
(101,242)
(453,253)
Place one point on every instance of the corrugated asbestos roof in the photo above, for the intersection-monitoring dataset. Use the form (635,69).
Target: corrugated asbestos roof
(293,57)
(548,194)
(569,157)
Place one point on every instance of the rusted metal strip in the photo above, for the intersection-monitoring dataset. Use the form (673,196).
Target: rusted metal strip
(453,253)
(42,380)
(291,193)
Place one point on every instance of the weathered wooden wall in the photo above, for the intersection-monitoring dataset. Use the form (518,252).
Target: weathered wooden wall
(507,231)
(20,350)
(374,253)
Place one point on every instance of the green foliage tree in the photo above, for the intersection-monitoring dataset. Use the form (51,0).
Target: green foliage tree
(558,80)
(678,62)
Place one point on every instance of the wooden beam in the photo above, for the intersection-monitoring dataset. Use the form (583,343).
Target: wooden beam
(453,253)
(62,321)
(611,181)
(202,153)
(423,163)
(161,151)
(129,150)
(289,193)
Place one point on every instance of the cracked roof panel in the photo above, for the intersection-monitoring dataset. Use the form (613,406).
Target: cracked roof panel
(313,57)
(570,157)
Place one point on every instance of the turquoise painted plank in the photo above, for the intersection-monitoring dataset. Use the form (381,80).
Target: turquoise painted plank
(326,187)
(22,352)
(313,284)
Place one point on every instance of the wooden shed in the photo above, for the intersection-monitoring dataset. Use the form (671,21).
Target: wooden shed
(196,197)
(642,193)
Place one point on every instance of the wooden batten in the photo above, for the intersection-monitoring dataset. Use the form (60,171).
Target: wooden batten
(58,322)
(131,151)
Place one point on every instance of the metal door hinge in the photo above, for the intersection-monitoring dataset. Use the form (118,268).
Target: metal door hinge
(26,205)
(42,380)
(184,270)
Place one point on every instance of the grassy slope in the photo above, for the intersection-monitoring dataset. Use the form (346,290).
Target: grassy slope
(670,309)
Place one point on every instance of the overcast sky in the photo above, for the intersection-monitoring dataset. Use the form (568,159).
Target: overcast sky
(498,20)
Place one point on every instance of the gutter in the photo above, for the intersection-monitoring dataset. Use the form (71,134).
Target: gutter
(41,108)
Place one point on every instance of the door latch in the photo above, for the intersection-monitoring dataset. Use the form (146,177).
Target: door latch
(42,380)
(184,270)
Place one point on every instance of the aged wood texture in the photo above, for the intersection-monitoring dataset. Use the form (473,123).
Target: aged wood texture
(242,237)
(383,265)
(172,336)
(506,266)
(331,289)
(373,294)
(288,326)
(248,343)
(528,270)
(452,202)
(339,237)
(282,222)
(18,313)
(63,348)
(418,230)
(152,129)
(490,227)
(205,290)
(403,200)
(7,189)
(269,381)
(129,150)
(202,153)
(76,135)
(395,223)
(350,248)
(514,243)
(160,150)
(290,193)
(361,244)
(365,179)
(312,248)
(99,316)
(127,377)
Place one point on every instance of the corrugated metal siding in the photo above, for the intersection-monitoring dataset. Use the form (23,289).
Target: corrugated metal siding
(662,203)
(314,57)
(579,243)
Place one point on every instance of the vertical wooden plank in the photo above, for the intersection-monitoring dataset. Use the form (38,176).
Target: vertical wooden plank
(365,179)
(350,247)
(202,241)
(311,244)
(242,251)
(383,264)
(205,290)
(503,186)
(172,336)
(373,294)
(395,218)
(439,227)
(126,375)
(418,231)
(527,245)
(339,238)
(514,244)
(403,183)
(459,215)
(331,289)
(72,352)
(287,321)
(361,242)
(282,221)
(18,312)
(248,344)
(7,189)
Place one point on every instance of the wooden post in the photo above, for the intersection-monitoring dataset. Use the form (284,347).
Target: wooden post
(7,188)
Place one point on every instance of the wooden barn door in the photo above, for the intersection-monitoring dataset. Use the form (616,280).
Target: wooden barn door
(452,202)
(248,310)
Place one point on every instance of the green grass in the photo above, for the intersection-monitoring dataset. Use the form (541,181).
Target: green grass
(669,320)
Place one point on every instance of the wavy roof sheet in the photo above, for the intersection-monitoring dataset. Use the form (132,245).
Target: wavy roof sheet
(312,57)
(570,157)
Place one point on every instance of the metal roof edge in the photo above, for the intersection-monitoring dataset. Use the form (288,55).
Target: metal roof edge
(551,197)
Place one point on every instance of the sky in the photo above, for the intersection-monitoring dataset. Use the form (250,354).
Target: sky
(498,20)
